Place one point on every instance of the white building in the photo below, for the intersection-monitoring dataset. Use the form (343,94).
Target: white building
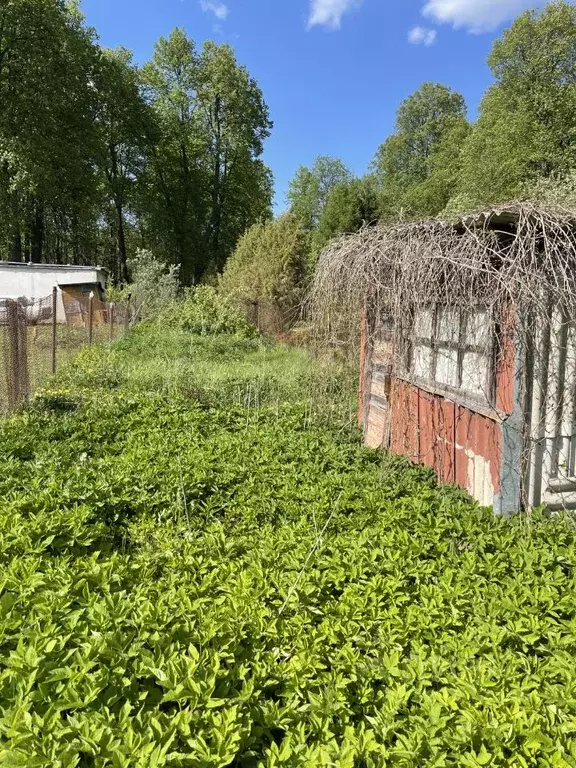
(36,282)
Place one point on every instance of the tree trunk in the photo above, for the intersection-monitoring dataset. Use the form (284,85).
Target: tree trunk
(37,234)
(16,249)
(216,217)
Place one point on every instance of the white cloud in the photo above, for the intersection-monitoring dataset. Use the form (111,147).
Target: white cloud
(218,9)
(422,36)
(329,13)
(476,15)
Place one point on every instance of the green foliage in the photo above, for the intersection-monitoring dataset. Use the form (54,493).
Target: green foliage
(205,183)
(269,268)
(310,187)
(415,166)
(526,127)
(153,285)
(149,543)
(349,206)
(168,157)
(556,190)
(206,311)
(48,180)
(125,123)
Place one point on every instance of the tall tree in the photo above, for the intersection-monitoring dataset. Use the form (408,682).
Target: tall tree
(526,127)
(48,141)
(234,122)
(172,190)
(310,187)
(405,161)
(205,182)
(349,206)
(125,125)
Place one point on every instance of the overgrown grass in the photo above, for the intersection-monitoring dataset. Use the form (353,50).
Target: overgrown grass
(220,370)
(199,577)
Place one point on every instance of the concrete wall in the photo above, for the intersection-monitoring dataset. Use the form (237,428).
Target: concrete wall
(36,281)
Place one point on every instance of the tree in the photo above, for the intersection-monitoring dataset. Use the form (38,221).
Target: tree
(406,160)
(172,197)
(268,271)
(125,124)
(349,206)
(526,127)
(432,195)
(48,140)
(235,123)
(310,187)
(205,182)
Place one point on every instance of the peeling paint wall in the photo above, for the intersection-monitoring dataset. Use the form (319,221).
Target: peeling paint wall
(462,447)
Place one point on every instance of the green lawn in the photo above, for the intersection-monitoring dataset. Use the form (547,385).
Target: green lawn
(201,566)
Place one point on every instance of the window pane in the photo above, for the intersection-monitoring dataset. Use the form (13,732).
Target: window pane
(478,329)
(447,367)
(423,324)
(422,362)
(449,325)
(475,374)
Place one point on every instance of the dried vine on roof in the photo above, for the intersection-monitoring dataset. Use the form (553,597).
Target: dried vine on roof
(518,255)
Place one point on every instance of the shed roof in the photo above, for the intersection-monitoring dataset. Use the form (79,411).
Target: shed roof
(24,265)
(452,262)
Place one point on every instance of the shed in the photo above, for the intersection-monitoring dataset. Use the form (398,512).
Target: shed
(35,283)
(468,347)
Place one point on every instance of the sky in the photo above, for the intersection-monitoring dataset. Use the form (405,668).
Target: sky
(333,72)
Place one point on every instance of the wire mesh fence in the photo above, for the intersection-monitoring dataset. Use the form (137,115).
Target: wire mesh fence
(36,337)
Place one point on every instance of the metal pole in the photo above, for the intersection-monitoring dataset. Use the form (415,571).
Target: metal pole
(23,353)
(111,320)
(54,326)
(12,358)
(127,317)
(90,316)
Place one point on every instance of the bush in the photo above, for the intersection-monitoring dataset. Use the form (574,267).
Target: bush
(266,274)
(205,311)
(152,286)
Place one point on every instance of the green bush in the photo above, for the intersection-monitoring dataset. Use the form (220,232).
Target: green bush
(266,274)
(205,311)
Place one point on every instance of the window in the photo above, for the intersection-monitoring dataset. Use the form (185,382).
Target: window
(452,350)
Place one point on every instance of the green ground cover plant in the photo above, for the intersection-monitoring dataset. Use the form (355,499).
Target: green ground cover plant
(198,569)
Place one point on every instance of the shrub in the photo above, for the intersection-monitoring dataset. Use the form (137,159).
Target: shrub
(266,274)
(153,285)
(205,311)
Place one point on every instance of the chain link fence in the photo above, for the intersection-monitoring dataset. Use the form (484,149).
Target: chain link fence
(37,336)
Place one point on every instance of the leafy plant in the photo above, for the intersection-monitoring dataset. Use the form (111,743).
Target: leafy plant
(155,609)
(203,310)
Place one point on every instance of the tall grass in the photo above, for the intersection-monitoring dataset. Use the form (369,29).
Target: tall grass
(219,370)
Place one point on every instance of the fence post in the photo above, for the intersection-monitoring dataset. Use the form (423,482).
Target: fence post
(90,316)
(23,353)
(12,354)
(127,317)
(54,326)
(111,320)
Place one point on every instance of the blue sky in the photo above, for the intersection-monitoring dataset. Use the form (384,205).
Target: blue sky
(333,72)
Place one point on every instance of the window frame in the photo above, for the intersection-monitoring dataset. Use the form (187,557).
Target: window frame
(460,394)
